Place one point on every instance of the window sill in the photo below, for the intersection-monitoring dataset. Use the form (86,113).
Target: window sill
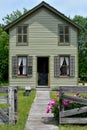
(21,76)
(22,44)
(64,44)
(64,76)
(24,76)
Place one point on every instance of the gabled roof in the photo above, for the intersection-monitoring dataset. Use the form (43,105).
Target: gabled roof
(50,8)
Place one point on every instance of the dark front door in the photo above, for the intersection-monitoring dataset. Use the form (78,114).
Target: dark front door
(42,70)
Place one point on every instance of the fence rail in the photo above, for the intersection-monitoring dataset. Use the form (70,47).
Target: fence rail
(3,89)
(75,99)
(3,99)
(73,89)
(73,111)
(66,116)
(73,121)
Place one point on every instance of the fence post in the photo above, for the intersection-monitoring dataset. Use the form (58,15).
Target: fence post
(12,98)
(61,106)
(61,100)
(16,104)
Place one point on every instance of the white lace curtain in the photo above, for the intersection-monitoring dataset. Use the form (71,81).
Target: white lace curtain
(23,61)
(67,63)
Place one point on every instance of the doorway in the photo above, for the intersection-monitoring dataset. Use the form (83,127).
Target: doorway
(43,70)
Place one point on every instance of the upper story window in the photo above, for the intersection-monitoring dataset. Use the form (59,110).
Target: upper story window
(22,35)
(63,34)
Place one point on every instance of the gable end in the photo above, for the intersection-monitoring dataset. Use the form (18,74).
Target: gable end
(47,6)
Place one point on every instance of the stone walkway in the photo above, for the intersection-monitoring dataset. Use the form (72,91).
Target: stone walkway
(38,119)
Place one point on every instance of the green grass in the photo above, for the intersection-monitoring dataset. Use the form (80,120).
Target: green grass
(53,95)
(24,105)
(69,127)
(73,127)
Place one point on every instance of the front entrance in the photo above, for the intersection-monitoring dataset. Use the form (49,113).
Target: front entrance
(43,70)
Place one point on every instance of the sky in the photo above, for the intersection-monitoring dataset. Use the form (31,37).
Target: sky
(69,8)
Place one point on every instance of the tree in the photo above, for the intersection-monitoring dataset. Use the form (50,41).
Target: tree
(82,47)
(82,21)
(3,55)
(13,16)
(83,62)
(4,38)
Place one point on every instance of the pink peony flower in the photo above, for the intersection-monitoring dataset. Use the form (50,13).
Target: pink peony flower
(49,103)
(65,103)
(53,102)
(76,95)
(47,110)
(50,107)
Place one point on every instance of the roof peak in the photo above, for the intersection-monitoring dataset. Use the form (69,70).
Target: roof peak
(46,5)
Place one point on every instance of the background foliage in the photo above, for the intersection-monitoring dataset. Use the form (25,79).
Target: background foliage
(82,47)
(3,55)
(4,46)
(13,16)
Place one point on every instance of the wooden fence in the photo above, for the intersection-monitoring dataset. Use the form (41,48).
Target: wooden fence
(8,96)
(66,116)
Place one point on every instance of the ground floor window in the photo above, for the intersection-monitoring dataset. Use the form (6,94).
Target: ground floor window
(22,65)
(64,65)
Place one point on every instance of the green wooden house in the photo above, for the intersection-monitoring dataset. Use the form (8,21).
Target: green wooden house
(43,49)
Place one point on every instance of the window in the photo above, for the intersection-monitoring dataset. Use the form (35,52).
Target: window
(64,66)
(63,34)
(22,65)
(22,35)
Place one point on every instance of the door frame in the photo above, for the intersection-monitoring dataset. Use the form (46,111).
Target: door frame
(48,70)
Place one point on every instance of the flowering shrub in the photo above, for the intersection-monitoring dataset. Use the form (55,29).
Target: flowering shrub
(53,106)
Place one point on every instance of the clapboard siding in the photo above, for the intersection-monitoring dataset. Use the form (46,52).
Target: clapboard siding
(40,26)
(42,35)
(41,51)
(43,40)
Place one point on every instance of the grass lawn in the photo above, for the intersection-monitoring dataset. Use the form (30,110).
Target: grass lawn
(68,127)
(24,105)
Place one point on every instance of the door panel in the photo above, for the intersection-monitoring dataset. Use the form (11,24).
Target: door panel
(42,70)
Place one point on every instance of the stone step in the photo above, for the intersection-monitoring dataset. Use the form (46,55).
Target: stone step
(40,88)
